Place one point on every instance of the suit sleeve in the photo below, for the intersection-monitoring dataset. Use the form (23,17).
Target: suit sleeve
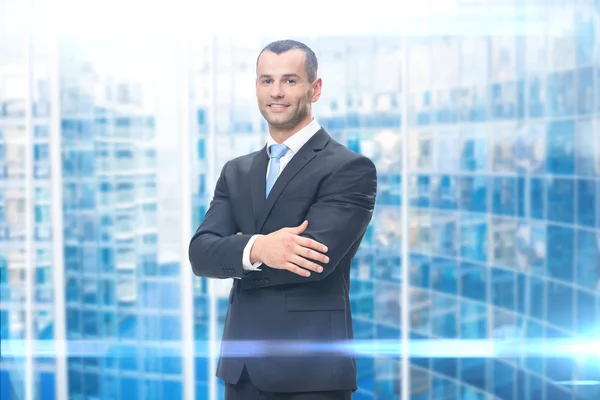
(339,217)
(215,250)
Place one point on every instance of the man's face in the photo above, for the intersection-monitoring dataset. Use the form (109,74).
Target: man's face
(283,91)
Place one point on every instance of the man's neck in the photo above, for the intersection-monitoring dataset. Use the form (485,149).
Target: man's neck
(282,135)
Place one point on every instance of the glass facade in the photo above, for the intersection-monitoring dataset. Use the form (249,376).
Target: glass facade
(488,144)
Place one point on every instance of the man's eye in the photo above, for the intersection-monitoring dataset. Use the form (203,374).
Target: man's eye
(291,81)
(267,81)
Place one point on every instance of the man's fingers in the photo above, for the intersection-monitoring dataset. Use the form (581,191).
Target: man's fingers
(311,254)
(304,263)
(239,233)
(297,270)
(311,244)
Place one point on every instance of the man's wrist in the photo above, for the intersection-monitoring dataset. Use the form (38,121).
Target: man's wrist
(255,251)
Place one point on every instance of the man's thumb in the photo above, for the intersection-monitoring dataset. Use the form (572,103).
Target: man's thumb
(301,227)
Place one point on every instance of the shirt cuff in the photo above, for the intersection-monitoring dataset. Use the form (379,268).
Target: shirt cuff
(246,256)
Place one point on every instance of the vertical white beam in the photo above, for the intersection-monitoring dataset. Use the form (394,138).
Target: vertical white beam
(58,259)
(211,157)
(404,299)
(180,71)
(29,210)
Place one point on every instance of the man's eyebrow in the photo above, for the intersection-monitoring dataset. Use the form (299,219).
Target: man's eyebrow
(284,75)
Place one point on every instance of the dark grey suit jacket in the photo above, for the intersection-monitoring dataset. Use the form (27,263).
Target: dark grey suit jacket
(289,331)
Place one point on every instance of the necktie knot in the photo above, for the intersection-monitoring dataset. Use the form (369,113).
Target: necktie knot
(278,150)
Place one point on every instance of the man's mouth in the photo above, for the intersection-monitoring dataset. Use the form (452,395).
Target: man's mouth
(278,106)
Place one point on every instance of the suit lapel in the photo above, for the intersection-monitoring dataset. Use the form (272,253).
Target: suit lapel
(261,206)
(258,184)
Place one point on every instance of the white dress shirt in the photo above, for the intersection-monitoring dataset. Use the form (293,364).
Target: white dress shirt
(294,144)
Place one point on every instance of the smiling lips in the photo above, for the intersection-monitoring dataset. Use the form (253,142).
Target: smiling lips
(278,106)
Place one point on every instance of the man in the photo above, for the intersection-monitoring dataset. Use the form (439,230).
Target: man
(285,223)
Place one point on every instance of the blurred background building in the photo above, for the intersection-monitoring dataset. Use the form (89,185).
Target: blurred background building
(108,158)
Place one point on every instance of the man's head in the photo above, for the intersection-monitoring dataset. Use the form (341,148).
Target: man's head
(287,85)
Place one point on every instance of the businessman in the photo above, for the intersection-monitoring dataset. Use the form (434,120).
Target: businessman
(285,222)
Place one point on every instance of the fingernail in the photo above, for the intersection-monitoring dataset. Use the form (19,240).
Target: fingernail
(324,248)
(326,259)
(320,269)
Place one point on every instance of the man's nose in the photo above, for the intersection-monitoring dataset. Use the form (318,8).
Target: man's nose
(276,90)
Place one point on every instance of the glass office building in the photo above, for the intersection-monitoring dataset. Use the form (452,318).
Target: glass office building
(488,144)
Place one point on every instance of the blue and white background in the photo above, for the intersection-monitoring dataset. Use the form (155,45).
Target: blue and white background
(479,277)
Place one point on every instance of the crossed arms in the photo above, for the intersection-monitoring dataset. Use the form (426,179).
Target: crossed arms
(336,220)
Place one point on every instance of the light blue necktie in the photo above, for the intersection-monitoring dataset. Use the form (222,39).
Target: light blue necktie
(277,151)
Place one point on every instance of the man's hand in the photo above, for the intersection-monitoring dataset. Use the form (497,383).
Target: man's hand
(286,249)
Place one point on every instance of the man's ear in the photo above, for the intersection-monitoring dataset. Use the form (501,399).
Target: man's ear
(317,86)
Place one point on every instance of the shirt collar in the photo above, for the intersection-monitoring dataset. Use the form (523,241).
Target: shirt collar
(298,139)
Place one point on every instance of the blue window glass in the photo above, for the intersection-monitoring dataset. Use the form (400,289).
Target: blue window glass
(503,380)
(419,274)
(108,325)
(505,196)
(75,385)
(41,152)
(473,237)
(91,383)
(560,253)
(561,93)
(585,310)
(444,192)
(447,367)
(86,158)
(559,300)
(73,321)
(107,294)
(73,290)
(149,264)
(88,196)
(90,323)
(585,90)
(588,259)
(128,326)
(443,276)
(585,156)
(107,259)
(150,327)
(473,371)
(587,201)
(129,388)
(474,152)
(90,291)
(443,322)
(537,291)
(445,234)
(560,200)
(474,281)
(537,97)
(473,193)
(170,364)
(531,195)
(42,214)
(172,388)
(149,295)
(597,89)
(560,145)
(474,321)
(170,296)
(521,281)
(503,288)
